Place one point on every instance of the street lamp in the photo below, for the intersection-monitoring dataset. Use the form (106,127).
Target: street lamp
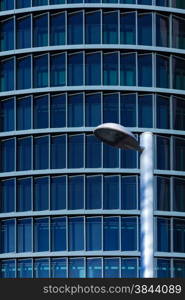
(118,136)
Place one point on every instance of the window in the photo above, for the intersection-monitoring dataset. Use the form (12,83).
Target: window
(7,269)
(40,71)
(24,194)
(23,69)
(129,268)
(75,28)
(93,110)
(76,268)
(76,151)
(92,27)
(93,234)
(58,152)
(163,268)
(58,111)
(111,192)
(179,268)
(40,30)
(163,112)
(57,29)
(110,108)
(163,235)
(39,2)
(178,35)
(23,32)
(41,268)
(58,234)
(178,3)
(178,194)
(7,75)
(7,115)
(128,159)
(23,3)
(110,69)
(58,193)
(145,70)
(7,35)
(179,154)
(129,192)
(128,110)
(111,233)
(128,28)
(163,153)
(162,71)
(75,69)
(7,155)
(162,31)
(76,192)
(145,29)
(93,268)
(75,110)
(129,234)
(179,235)
(93,192)
(145,111)
(41,193)
(24,268)
(58,67)
(24,235)
(178,113)
(24,152)
(7,196)
(110,27)
(128,69)
(110,157)
(7,236)
(41,153)
(6,5)
(93,69)
(41,234)
(58,268)
(40,112)
(76,234)
(23,111)
(93,152)
(163,193)
(111,268)
(178,72)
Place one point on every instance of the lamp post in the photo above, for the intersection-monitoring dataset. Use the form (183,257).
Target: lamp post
(120,137)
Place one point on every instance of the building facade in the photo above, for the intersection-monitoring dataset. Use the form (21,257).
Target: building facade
(69,205)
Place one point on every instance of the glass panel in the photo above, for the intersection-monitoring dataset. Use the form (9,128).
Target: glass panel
(111,268)
(179,235)
(145,70)
(163,153)
(58,193)
(7,75)
(93,69)
(76,192)
(57,1)
(145,29)
(39,2)
(179,268)
(162,31)
(41,268)
(7,35)
(58,268)
(178,72)
(40,71)
(7,269)
(7,115)
(128,159)
(75,110)
(23,111)
(58,152)
(162,2)
(76,234)
(179,154)
(110,69)
(40,30)
(7,155)
(129,268)
(75,28)
(93,110)
(23,3)
(162,71)
(178,35)
(163,193)
(111,233)
(6,5)
(110,28)
(178,114)
(23,73)
(58,111)
(146,2)
(163,112)
(23,32)
(41,235)
(129,192)
(75,69)
(93,152)
(24,194)
(93,268)
(111,192)
(110,157)
(24,235)
(110,108)
(7,236)
(24,152)
(93,192)
(57,29)
(7,196)
(41,153)
(41,194)
(178,3)
(92,27)
(145,111)
(163,235)
(58,69)
(178,194)
(40,112)
(128,69)
(128,110)
(129,234)
(76,151)
(24,268)
(128,28)
(76,268)
(58,234)
(163,268)
(93,234)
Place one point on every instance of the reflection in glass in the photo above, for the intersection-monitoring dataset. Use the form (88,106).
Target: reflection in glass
(40,30)
(93,268)
(163,235)
(7,35)
(41,234)
(57,29)
(163,193)
(23,32)
(40,71)
(76,234)
(111,268)
(129,234)
(41,193)
(57,70)
(7,196)
(128,28)
(7,115)
(75,28)
(129,268)
(93,234)
(92,27)
(58,234)
(110,69)
(145,29)
(111,233)
(128,69)
(163,112)
(24,235)
(110,27)
(58,152)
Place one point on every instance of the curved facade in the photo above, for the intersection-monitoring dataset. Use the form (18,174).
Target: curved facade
(69,205)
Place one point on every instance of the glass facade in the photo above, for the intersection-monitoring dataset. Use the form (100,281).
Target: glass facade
(70,204)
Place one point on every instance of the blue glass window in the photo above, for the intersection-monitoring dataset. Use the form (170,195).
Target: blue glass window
(178,71)
(41,153)
(7,75)
(128,110)
(41,193)
(75,110)
(75,69)
(58,268)
(129,268)
(178,113)
(111,233)
(24,235)
(178,3)
(7,196)
(145,70)
(7,35)
(93,69)
(24,268)
(58,111)
(163,153)
(23,32)
(24,196)
(178,35)
(76,268)
(162,2)
(163,193)
(23,73)
(129,234)
(128,28)
(110,69)
(111,192)
(163,235)
(58,72)
(145,29)
(24,153)
(146,2)
(76,192)
(7,115)
(41,234)
(110,108)
(179,235)
(92,27)
(23,111)
(76,234)
(163,112)
(75,28)
(23,3)
(128,159)
(128,69)
(40,71)
(93,192)
(129,192)
(76,151)
(163,268)
(41,268)
(7,155)
(93,152)
(162,71)
(110,27)
(7,269)
(39,2)
(58,152)
(58,193)
(179,267)
(111,268)
(128,1)
(57,29)
(40,30)
(93,234)
(7,236)
(179,154)
(6,5)
(58,234)
(40,112)
(93,109)
(162,31)
(110,157)
(178,194)
(145,111)
(93,268)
